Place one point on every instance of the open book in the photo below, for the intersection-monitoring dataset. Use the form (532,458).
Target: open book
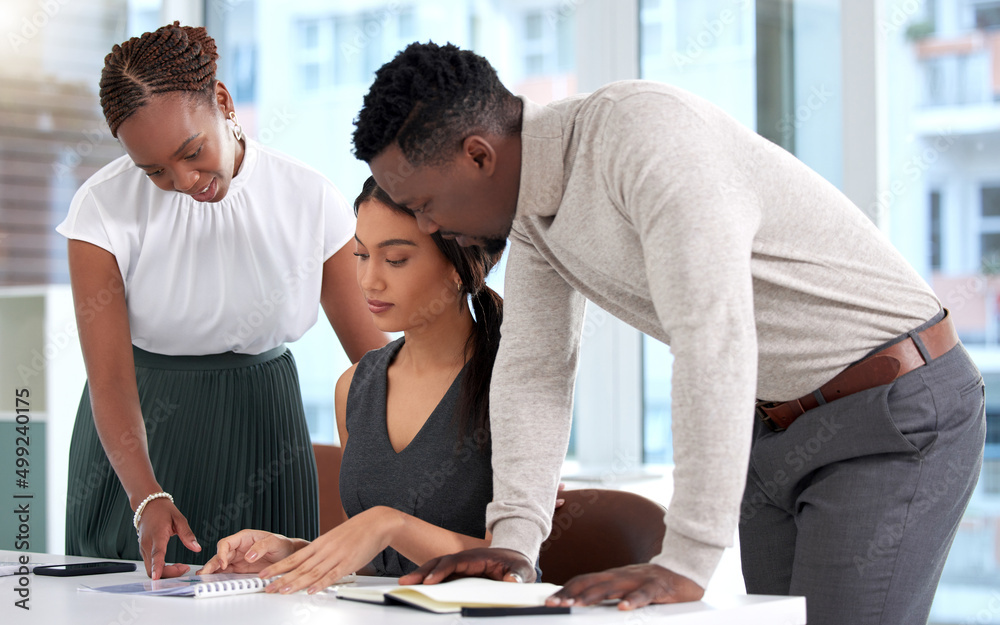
(472,596)
(198,586)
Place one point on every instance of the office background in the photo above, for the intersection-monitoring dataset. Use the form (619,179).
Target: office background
(895,101)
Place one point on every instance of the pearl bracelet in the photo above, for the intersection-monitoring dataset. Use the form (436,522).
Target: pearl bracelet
(139,509)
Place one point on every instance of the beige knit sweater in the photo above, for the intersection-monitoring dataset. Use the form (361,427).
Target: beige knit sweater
(761,276)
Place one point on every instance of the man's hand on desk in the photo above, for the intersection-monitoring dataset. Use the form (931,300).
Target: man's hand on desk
(160,520)
(498,564)
(637,585)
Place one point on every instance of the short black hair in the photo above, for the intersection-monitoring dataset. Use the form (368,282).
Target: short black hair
(428,99)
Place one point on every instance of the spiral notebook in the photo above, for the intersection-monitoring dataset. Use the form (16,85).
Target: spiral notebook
(197,586)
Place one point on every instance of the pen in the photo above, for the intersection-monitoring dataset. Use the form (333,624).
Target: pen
(515,611)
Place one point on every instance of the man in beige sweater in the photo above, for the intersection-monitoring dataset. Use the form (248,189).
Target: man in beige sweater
(768,285)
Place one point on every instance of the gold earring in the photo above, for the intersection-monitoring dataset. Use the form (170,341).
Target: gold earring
(237,129)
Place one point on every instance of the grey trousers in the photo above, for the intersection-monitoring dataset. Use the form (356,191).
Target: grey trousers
(855,505)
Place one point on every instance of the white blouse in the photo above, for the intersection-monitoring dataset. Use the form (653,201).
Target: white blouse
(241,275)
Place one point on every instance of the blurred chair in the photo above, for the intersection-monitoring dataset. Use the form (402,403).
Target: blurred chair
(598,529)
(331,512)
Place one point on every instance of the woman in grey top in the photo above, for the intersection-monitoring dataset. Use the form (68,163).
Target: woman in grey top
(413,417)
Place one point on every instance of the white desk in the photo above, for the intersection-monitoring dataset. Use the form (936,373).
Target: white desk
(55,600)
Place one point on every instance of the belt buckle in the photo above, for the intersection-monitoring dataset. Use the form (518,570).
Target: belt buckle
(766,418)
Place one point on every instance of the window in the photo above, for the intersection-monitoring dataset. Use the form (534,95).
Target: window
(299,87)
(547,42)
(956,79)
(657,363)
(314,52)
(356,39)
(988,15)
(990,198)
(935,217)
(730,83)
(52,137)
(341,47)
(942,112)
(942,108)
(52,132)
(989,230)
(313,69)
(651,40)
(407,24)
(711,24)
(532,27)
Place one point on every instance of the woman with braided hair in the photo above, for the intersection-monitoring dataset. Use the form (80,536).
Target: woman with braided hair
(193,259)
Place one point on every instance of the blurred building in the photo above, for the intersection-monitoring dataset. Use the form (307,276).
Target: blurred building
(944,206)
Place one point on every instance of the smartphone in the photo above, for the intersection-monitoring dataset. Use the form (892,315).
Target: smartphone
(84,568)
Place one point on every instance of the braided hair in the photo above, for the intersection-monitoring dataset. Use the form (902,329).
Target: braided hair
(472,412)
(171,58)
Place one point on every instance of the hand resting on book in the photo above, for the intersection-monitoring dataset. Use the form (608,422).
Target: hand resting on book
(635,585)
(302,564)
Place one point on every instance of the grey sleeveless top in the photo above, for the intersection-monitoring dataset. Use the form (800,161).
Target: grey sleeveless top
(437,477)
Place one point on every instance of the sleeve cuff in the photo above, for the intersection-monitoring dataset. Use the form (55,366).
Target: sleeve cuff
(520,535)
(86,238)
(694,560)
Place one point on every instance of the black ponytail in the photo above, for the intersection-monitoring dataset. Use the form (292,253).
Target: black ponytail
(487,307)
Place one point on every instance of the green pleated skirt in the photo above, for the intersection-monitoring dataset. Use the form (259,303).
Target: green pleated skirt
(227,438)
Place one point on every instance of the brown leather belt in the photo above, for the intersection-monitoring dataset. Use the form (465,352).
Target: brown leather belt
(880,368)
